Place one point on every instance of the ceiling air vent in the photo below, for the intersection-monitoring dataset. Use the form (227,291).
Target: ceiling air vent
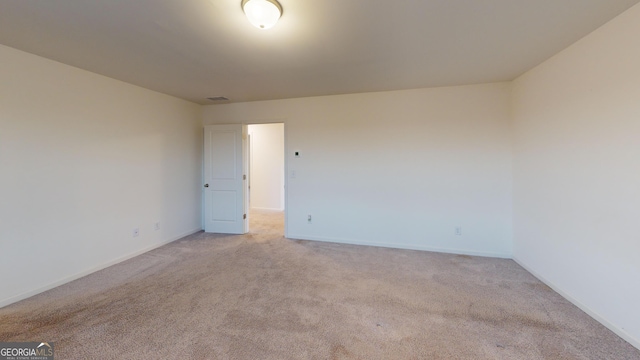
(218,98)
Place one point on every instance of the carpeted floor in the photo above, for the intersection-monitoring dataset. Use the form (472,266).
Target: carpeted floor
(260,296)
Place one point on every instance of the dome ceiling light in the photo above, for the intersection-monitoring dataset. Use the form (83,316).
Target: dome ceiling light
(263,14)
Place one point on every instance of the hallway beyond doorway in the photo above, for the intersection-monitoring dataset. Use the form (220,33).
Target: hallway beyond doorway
(266,222)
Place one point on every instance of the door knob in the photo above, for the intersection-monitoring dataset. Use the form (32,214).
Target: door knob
(206,185)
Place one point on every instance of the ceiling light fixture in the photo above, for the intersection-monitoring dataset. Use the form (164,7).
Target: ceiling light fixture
(263,14)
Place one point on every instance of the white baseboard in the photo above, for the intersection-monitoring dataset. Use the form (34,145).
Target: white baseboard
(30,293)
(402,246)
(266,209)
(594,314)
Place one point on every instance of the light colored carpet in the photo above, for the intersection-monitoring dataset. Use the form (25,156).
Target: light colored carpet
(260,296)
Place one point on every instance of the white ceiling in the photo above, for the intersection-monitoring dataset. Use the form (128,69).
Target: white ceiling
(194,49)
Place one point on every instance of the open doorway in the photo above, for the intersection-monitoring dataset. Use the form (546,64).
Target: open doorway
(266,175)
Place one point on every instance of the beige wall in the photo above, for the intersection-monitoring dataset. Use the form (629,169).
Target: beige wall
(267,166)
(398,168)
(577,173)
(84,160)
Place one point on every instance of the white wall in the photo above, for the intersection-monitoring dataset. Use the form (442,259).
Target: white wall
(83,160)
(577,173)
(267,166)
(399,168)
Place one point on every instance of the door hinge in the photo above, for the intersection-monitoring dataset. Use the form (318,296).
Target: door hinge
(244,177)
(244,216)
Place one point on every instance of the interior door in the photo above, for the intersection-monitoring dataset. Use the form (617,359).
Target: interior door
(224,179)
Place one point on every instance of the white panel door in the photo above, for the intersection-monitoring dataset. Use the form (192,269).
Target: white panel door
(224,209)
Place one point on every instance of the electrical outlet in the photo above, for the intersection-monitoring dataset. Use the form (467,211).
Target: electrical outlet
(136,232)
(309,219)
(459,230)
(156,226)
